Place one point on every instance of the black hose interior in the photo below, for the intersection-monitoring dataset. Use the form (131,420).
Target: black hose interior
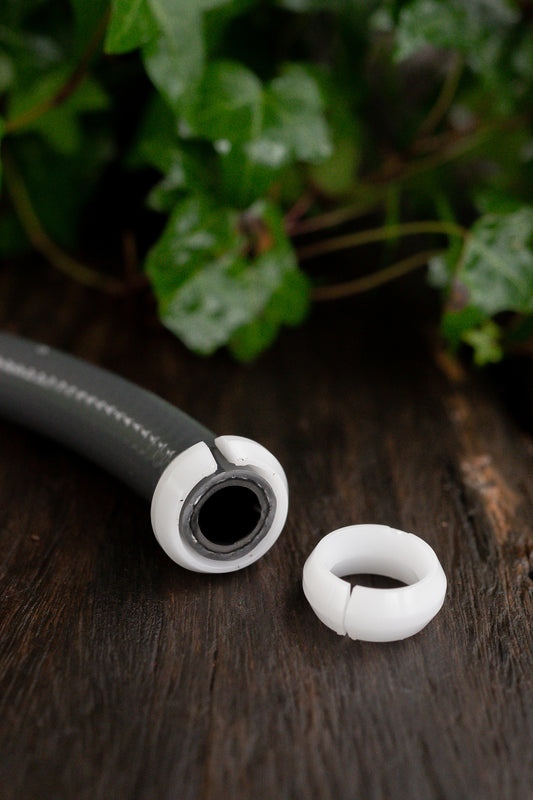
(229,515)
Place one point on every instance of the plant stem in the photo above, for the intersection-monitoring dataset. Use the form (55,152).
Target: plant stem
(457,148)
(445,98)
(337,216)
(43,243)
(300,207)
(367,282)
(77,75)
(378,235)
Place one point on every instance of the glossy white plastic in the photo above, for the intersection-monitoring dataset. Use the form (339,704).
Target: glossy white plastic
(370,614)
(184,473)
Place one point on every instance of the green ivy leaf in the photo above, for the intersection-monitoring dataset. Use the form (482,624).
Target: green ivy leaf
(134,23)
(174,60)
(207,5)
(474,28)
(60,125)
(131,25)
(496,265)
(87,17)
(58,184)
(440,271)
(227,105)
(30,53)
(189,170)
(156,141)
(456,323)
(495,201)
(281,123)
(215,271)
(337,174)
(288,305)
(494,274)
(185,164)
(485,341)
(242,180)
(294,126)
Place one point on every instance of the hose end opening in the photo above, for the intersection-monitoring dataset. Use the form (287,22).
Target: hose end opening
(228,514)
(219,507)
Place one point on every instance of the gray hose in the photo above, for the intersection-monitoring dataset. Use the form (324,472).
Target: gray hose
(216,504)
(129,431)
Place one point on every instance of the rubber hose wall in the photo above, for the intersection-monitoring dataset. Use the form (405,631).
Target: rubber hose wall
(125,429)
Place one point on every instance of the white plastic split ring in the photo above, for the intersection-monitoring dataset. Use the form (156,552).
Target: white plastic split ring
(374,615)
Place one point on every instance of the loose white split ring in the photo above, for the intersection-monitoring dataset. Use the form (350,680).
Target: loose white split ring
(374,615)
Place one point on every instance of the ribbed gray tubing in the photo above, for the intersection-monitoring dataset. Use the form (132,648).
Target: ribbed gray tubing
(125,429)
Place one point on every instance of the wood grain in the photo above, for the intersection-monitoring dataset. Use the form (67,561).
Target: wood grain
(124,676)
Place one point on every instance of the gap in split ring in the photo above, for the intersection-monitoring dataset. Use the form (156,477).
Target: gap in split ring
(373,581)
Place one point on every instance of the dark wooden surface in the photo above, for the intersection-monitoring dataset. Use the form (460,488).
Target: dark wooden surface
(124,676)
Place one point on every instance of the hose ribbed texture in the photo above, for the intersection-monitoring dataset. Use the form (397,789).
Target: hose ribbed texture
(129,431)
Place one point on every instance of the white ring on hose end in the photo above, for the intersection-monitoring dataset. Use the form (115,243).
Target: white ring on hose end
(374,615)
(184,473)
